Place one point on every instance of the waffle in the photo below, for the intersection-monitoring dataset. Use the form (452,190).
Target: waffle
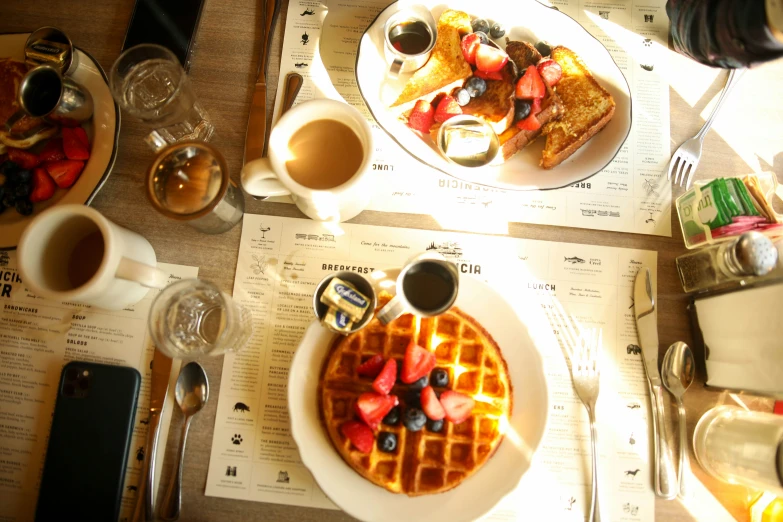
(423,462)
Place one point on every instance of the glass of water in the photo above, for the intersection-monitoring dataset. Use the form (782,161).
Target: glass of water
(193,317)
(148,82)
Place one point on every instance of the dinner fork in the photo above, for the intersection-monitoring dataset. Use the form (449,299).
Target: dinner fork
(585,373)
(686,158)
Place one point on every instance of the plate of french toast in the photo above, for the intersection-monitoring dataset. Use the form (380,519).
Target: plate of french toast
(404,421)
(513,95)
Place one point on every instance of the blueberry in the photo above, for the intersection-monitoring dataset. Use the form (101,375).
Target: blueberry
(8,167)
(479,24)
(24,207)
(497,31)
(543,48)
(22,176)
(483,38)
(393,417)
(387,442)
(521,109)
(421,383)
(462,96)
(414,419)
(9,198)
(413,399)
(476,86)
(22,190)
(439,377)
(434,425)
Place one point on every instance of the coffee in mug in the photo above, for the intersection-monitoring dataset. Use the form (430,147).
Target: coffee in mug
(324,154)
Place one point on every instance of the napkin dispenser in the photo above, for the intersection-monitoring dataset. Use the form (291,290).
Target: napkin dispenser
(742,334)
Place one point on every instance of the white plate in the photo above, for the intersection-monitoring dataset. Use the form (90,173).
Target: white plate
(364,500)
(525,20)
(103,131)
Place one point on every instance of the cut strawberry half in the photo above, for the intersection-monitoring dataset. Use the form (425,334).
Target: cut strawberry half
(417,363)
(470,44)
(431,405)
(372,407)
(359,434)
(371,367)
(447,108)
(75,143)
(26,160)
(385,380)
(490,59)
(457,406)
(530,123)
(535,107)
(65,172)
(550,71)
(494,75)
(52,151)
(530,86)
(422,117)
(43,186)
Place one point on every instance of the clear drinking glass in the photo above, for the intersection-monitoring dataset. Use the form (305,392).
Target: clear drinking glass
(741,447)
(148,82)
(190,182)
(193,317)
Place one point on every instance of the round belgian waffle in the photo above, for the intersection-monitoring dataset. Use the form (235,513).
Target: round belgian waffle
(423,462)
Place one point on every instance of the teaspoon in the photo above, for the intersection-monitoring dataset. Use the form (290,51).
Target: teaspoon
(677,372)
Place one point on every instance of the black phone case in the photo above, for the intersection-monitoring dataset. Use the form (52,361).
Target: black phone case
(91,432)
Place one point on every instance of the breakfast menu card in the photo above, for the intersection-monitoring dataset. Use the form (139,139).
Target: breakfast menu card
(37,338)
(553,286)
(630,195)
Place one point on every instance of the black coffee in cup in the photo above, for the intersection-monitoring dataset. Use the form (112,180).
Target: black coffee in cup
(429,287)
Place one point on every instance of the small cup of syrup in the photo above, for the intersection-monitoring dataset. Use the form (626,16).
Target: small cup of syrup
(409,36)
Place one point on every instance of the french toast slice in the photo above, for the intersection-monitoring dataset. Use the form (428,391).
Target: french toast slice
(446,65)
(515,139)
(588,107)
(496,105)
(523,54)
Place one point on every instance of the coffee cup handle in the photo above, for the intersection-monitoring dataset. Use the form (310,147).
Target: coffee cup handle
(258,179)
(391,311)
(145,275)
(15,117)
(396,67)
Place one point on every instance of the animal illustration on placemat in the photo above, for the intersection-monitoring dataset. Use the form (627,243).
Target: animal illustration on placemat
(241,406)
(305,38)
(631,440)
(308,12)
(300,65)
(140,455)
(633,406)
(282,477)
(632,473)
(144,421)
(236,439)
(633,349)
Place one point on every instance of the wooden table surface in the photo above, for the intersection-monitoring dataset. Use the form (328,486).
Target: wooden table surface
(223,73)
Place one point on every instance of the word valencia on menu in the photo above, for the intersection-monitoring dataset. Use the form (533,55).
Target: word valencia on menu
(6,278)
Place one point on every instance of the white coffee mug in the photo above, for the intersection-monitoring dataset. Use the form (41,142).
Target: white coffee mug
(269,176)
(125,270)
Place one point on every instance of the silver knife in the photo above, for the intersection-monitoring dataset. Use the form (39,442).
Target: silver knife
(159,387)
(646,313)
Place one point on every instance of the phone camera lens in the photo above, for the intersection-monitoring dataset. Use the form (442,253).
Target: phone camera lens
(83,383)
(68,390)
(71,374)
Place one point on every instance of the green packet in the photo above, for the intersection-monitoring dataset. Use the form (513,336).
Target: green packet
(744,197)
(713,207)
(723,194)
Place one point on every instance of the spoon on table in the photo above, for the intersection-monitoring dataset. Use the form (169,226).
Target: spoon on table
(677,371)
(191,392)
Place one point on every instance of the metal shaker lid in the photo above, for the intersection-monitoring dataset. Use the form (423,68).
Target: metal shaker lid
(752,254)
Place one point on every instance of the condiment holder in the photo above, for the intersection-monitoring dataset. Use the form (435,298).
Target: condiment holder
(361,284)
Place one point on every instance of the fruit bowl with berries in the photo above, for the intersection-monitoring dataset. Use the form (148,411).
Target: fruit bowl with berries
(69,167)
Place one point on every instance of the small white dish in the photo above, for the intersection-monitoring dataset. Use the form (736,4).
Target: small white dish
(103,131)
(525,20)
(478,494)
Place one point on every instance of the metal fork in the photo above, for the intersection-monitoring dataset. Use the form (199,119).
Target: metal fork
(686,158)
(585,373)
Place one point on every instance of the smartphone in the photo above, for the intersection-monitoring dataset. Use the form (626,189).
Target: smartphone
(84,470)
(170,23)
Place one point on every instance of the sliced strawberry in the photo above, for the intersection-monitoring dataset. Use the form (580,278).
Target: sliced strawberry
(372,407)
(535,107)
(417,363)
(490,59)
(26,160)
(65,172)
(530,123)
(530,86)
(550,71)
(385,380)
(371,367)
(494,75)
(447,108)
(422,117)
(457,406)
(73,144)
(431,405)
(52,151)
(470,44)
(43,185)
(359,434)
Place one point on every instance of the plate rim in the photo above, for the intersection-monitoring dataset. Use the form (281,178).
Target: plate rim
(439,169)
(316,329)
(118,116)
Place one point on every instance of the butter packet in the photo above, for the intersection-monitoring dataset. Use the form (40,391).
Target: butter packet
(346,298)
(337,321)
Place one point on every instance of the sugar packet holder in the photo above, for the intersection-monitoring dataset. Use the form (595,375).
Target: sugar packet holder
(716,210)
